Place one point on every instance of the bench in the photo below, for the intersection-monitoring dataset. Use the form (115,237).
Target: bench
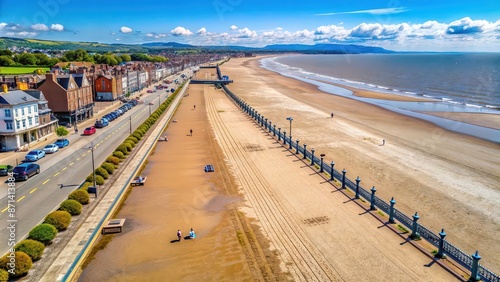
(209,168)
(137,182)
(113,226)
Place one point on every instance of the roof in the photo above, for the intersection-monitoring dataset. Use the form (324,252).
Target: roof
(16,97)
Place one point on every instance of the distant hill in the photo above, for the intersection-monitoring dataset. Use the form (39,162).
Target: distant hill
(6,42)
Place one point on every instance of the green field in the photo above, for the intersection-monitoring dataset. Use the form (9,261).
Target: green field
(20,70)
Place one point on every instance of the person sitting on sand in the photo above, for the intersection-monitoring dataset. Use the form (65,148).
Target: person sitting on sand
(192,235)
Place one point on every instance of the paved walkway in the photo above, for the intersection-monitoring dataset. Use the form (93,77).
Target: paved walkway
(88,233)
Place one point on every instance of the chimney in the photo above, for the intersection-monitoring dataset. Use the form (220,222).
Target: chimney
(5,88)
(51,76)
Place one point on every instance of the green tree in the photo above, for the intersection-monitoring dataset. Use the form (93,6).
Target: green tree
(42,59)
(6,52)
(125,58)
(6,61)
(61,131)
(27,59)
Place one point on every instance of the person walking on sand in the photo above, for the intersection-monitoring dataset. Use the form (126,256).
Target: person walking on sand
(179,235)
(192,235)
(191,132)
(194,108)
(331,115)
(383,142)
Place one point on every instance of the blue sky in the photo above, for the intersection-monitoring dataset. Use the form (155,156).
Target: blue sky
(413,25)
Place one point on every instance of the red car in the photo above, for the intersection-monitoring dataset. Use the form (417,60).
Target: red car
(89,130)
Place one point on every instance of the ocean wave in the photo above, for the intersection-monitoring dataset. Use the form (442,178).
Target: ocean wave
(493,107)
(409,92)
(474,106)
(446,99)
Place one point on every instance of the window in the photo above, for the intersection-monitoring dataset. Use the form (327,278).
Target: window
(24,122)
(30,121)
(36,109)
(22,111)
(29,110)
(7,113)
(8,124)
(17,112)
(18,124)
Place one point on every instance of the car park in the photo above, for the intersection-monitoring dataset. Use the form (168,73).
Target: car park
(62,142)
(50,148)
(89,130)
(25,171)
(5,169)
(34,155)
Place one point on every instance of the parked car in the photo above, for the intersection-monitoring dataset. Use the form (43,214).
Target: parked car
(51,148)
(62,142)
(101,123)
(5,169)
(89,130)
(25,171)
(34,155)
(150,91)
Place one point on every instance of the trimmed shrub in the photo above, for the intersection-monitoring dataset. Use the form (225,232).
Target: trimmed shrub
(23,264)
(119,154)
(102,172)
(72,206)
(138,132)
(137,135)
(80,196)
(128,145)
(133,139)
(85,186)
(122,148)
(109,167)
(60,219)
(130,140)
(99,180)
(114,160)
(4,275)
(43,233)
(32,248)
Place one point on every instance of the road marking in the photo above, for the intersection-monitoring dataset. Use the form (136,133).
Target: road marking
(57,173)
(78,159)
(84,155)
(71,163)
(46,181)
(65,168)
(5,209)
(33,190)
(18,200)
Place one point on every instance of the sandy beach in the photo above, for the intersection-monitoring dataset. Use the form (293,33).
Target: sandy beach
(265,215)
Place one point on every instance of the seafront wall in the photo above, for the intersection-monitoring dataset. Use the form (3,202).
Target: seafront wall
(445,249)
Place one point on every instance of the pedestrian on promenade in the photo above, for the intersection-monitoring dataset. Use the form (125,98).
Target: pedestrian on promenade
(179,235)
(383,142)
(331,115)
(191,132)
(194,108)
(192,235)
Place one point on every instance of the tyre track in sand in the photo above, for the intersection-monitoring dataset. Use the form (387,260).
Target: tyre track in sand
(301,258)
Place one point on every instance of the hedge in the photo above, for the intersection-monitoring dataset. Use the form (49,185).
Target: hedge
(23,263)
(80,196)
(128,145)
(119,154)
(133,139)
(32,248)
(102,172)
(72,206)
(85,186)
(114,160)
(60,219)
(4,275)
(43,233)
(122,148)
(109,167)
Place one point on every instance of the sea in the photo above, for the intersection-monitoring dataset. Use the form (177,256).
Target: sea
(456,82)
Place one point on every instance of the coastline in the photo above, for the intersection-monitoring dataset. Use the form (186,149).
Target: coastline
(445,115)
(450,179)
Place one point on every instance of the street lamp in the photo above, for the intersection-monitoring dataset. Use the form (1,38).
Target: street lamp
(158,101)
(290,119)
(150,109)
(130,119)
(321,165)
(93,189)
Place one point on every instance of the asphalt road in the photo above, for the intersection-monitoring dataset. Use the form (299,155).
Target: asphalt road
(63,172)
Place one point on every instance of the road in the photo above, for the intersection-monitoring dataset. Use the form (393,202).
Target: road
(64,171)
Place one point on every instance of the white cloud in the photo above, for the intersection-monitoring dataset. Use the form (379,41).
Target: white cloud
(384,11)
(125,29)
(39,27)
(467,26)
(181,31)
(246,33)
(156,35)
(57,27)
(21,34)
(233,27)
(2,25)
(202,31)
(279,28)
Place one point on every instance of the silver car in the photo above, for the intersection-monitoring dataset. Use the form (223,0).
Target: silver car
(51,148)
(34,155)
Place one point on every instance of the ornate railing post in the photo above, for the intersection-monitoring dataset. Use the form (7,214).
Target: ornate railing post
(391,210)
(321,163)
(343,178)
(305,151)
(284,137)
(265,124)
(297,141)
(279,134)
(332,164)
(414,229)
(274,130)
(475,267)
(262,121)
(270,126)
(372,199)
(440,252)
(357,187)
(312,156)
(290,147)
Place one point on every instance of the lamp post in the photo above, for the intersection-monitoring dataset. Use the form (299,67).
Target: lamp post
(290,119)
(130,128)
(321,165)
(158,101)
(93,189)
(150,109)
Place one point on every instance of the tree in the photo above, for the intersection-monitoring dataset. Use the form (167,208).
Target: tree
(61,131)
(42,59)
(6,52)
(6,61)
(125,58)
(27,59)
(39,71)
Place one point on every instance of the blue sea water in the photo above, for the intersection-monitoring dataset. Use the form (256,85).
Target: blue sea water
(464,82)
